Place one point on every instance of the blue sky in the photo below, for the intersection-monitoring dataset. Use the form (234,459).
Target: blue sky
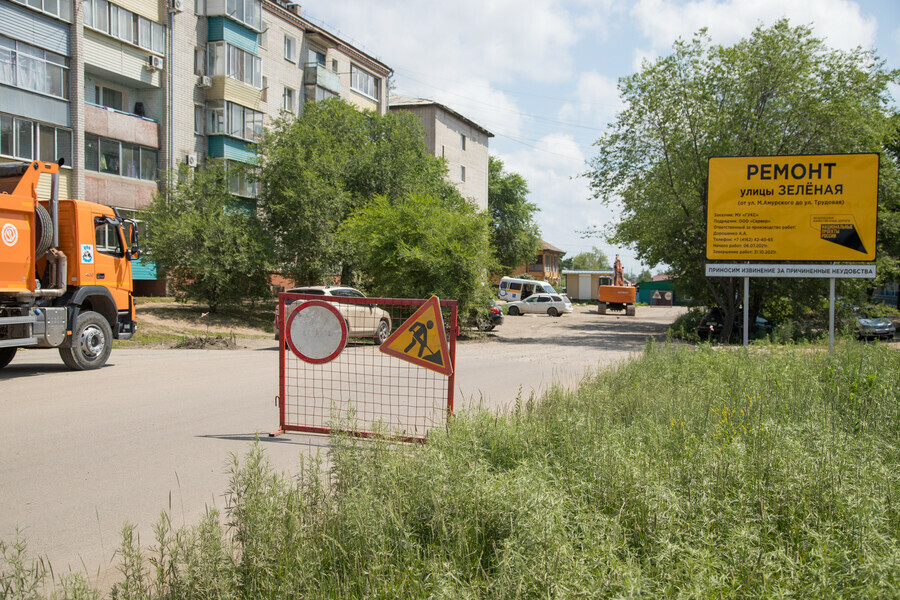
(541,74)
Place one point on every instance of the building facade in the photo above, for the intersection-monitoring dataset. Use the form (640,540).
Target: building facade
(461,142)
(544,266)
(124,90)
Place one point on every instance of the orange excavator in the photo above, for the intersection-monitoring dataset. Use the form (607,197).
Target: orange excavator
(616,294)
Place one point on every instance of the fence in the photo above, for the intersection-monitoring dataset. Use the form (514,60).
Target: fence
(363,391)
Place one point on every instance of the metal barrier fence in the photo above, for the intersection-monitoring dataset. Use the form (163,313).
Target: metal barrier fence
(361,390)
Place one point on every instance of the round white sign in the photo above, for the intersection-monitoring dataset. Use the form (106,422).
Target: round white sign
(316,331)
(10,234)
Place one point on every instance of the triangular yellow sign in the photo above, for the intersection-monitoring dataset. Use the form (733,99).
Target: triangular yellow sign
(421,339)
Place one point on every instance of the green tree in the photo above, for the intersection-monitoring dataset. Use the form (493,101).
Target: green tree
(316,168)
(515,236)
(209,242)
(418,246)
(594,260)
(780,91)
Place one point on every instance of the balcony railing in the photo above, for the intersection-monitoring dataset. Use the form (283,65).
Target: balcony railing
(122,126)
(316,74)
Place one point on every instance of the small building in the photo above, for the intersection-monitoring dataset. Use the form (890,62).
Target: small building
(582,285)
(544,267)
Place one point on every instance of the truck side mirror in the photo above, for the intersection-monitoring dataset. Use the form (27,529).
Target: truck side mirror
(134,250)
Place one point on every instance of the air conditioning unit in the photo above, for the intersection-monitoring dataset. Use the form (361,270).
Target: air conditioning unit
(155,62)
(205,81)
(177,5)
(190,160)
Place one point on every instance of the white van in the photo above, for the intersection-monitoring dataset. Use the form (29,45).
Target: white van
(513,288)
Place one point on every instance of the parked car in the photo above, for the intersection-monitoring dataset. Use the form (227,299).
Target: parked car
(713,322)
(868,328)
(363,320)
(552,304)
(493,317)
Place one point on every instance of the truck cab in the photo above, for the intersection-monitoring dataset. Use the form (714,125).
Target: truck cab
(65,275)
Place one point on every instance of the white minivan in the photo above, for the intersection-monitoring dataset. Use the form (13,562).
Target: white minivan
(513,288)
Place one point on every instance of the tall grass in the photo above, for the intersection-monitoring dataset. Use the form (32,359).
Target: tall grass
(690,472)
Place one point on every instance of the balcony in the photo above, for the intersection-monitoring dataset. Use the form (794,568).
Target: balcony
(122,126)
(317,75)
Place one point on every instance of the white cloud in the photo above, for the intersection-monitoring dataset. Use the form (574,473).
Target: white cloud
(551,170)
(468,39)
(839,22)
(597,100)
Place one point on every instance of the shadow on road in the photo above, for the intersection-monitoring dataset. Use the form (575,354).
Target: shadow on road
(290,439)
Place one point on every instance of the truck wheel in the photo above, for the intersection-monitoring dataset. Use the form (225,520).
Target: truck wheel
(629,310)
(601,308)
(6,356)
(91,343)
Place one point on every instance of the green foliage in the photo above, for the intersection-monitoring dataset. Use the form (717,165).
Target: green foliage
(594,260)
(420,246)
(317,167)
(514,234)
(687,472)
(207,241)
(780,91)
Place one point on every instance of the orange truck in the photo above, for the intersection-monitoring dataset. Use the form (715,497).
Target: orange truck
(614,294)
(65,271)
(615,297)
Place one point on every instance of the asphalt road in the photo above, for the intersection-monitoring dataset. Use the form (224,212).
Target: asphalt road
(83,453)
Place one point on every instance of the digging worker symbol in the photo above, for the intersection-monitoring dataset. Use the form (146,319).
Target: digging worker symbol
(420,337)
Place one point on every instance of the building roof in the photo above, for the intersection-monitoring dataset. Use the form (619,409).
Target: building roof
(401,102)
(290,10)
(551,247)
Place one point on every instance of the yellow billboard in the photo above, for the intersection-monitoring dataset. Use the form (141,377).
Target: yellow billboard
(792,208)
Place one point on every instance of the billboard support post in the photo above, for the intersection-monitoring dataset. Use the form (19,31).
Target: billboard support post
(831,316)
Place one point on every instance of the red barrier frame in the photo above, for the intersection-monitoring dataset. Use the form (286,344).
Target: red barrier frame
(350,366)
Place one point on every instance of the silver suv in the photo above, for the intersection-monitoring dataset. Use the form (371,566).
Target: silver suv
(363,320)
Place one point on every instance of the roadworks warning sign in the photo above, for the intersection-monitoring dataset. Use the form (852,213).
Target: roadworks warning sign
(421,339)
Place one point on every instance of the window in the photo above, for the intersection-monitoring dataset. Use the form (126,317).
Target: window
(123,24)
(56,8)
(334,65)
(288,101)
(199,60)
(107,238)
(290,48)
(462,141)
(263,38)
(316,57)
(118,158)
(462,173)
(199,7)
(109,97)
(22,138)
(247,12)
(233,119)
(199,118)
(241,181)
(364,83)
(323,94)
(231,61)
(30,68)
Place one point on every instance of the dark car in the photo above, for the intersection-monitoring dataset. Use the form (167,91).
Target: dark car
(493,317)
(713,322)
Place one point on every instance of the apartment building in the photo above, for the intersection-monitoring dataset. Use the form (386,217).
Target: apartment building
(124,90)
(461,142)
